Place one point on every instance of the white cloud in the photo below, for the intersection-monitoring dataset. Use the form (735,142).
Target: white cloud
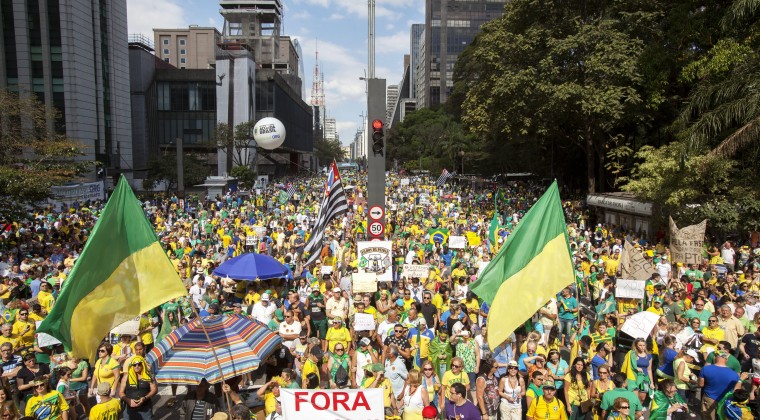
(390,27)
(144,15)
(336,16)
(397,43)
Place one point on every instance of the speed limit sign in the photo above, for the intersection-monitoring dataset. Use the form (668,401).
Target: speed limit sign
(376,228)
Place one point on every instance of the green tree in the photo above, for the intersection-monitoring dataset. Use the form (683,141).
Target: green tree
(237,142)
(328,150)
(553,71)
(245,175)
(164,169)
(33,156)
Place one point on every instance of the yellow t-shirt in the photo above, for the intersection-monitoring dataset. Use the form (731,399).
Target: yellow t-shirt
(104,370)
(715,334)
(575,391)
(52,404)
(26,339)
(13,339)
(109,410)
(337,336)
(449,378)
(308,367)
(46,300)
(145,322)
(540,409)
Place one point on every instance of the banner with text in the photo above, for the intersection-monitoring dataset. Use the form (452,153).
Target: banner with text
(630,289)
(332,404)
(89,191)
(686,243)
(375,257)
(415,270)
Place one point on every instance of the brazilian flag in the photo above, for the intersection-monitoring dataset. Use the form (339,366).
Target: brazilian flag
(439,235)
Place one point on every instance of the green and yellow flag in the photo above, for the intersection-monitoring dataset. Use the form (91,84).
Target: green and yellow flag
(532,266)
(121,273)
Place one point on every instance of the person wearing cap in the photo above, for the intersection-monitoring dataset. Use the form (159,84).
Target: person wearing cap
(270,393)
(46,403)
(656,307)
(277,319)
(430,413)
(716,381)
(108,408)
(315,314)
(363,356)
(263,310)
(547,406)
(683,378)
(337,305)
(337,334)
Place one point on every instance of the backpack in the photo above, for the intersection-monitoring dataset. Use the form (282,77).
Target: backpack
(341,377)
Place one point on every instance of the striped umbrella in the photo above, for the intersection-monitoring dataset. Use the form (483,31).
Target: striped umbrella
(185,357)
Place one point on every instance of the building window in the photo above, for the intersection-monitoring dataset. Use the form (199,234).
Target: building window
(166,59)
(182,41)
(166,41)
(166,51)
(181,52)
(182,60)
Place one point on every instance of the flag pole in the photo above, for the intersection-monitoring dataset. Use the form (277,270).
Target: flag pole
(216,358)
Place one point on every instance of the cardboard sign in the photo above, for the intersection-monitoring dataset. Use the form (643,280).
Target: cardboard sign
(44,340)
(332,404)
(457,242)
(415,270)
(686,243)
(630,289)
(364,282)
(250,240)
(326,269)
(364,322)
(633,265)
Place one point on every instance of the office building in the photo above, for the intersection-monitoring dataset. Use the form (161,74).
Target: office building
(415,42)
(391,98)
(331,131)
(193,48)
(73,55)
(450,26)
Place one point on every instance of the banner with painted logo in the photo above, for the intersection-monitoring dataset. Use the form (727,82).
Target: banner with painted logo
(332,404)
(686,243)
(375,257)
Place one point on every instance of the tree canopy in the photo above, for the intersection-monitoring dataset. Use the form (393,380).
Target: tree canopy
(33,155)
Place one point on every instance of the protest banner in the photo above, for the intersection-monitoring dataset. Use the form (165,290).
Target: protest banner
(261,231)
(457,242)
(375,257)
(404,182)
(67,194)
(364,322)
(415,270)
(686,243)
(326,269)
(633,265)
(364,282)
(630,289)
(424,200)
(44,340)
(332,404)
(250,240)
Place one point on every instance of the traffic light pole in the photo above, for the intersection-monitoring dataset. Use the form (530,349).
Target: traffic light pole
(376,159)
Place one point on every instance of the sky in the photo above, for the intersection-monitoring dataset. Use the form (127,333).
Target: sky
(337,28)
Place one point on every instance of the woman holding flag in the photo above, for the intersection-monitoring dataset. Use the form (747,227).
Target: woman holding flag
(637,366)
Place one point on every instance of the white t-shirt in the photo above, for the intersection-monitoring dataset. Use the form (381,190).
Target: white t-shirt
(288,329)
(196,293)
(263,313)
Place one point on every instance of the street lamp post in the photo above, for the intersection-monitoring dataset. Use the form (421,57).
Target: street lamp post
(461,156)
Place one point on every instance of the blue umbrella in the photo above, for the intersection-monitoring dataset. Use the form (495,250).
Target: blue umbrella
(253,267)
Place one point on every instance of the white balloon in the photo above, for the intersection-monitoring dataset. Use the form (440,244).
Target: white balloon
(269,133)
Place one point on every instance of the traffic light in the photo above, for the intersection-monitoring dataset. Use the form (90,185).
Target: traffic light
(378,138)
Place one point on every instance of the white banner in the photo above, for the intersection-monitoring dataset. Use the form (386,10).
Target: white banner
(80,192)
(404,182)
(332,404)
(375,257)
(457,242)
(364,322)
(630,289)
(415,270)
(686,243)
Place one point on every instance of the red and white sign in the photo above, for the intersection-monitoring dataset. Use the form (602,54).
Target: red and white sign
(332,404)
(376,229)
(376,213)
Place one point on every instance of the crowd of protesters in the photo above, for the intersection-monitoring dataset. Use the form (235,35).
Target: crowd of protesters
(428,351)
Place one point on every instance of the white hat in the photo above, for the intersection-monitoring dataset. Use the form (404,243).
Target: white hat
(693,353)
(265,297)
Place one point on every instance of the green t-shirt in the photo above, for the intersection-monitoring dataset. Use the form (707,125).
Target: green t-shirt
(732,362)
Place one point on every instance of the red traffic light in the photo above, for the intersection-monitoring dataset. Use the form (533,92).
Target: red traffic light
(377,125)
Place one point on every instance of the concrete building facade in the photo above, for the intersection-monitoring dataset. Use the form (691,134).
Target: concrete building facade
(74,56)
(193,48)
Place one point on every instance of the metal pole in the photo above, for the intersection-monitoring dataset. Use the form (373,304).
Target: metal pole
(370,39)
(180,165)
